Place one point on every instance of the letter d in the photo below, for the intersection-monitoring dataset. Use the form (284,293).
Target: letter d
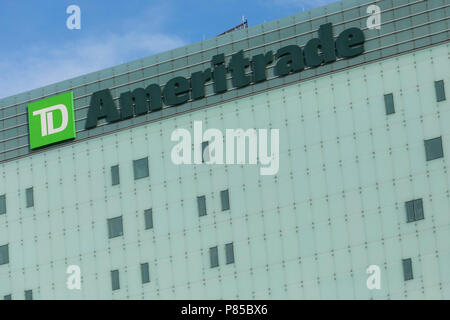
(64,115)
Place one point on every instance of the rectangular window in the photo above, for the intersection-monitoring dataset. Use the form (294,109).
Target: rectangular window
(28,294)
(433,149)
(145,274)
(115,177)
(4,254)
(213,257)
(229,253)
(418,209)
(440,90)
(205,155)
(201,203)
(115,227)
(410,216)
(414,210)
(407,269)
(115,283)
(224,197)
(140,168)
(7,297)
(389,103)
(3,204)
(30,197)
(148,217)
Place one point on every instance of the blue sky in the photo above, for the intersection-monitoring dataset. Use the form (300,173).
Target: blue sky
(38,49)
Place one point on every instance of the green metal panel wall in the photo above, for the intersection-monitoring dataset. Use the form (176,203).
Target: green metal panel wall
(407,25)
(335,207)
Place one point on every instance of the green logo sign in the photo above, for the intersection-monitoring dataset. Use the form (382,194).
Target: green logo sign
(51,120)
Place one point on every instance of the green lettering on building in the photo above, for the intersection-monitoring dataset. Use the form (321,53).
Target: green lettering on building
(243,71)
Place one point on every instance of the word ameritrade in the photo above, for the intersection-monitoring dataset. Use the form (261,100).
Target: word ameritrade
(243,70)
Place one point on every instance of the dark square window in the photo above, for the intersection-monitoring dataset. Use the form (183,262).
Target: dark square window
(115,177)
(389,103)
(115,227)
(145,273)
(7,297)
(225,200)
(229,253)
(30,197)
(414,210)
(433,149)
(407,269)
(2,204)
(28,294)
(201,204)
(148,217)
(140,168)
(440,90)
(213,257)
(115,283)
(4,254)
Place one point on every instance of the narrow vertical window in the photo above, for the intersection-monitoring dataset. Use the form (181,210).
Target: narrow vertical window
(389,103)
(4,254)
(115,227)
(140,168)
(440,90)
(433,149)
(224,197)
(28,294)
(414,210)
(201,204)
(213,257)
(410,211)
(205,155)
(2,204)
(407,269)
(115,283)
(418,209)
(30,197)
(145,273)
(115,177)
(229,253)
(148,217)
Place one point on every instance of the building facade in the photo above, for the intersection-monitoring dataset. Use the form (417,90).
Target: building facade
(361,193)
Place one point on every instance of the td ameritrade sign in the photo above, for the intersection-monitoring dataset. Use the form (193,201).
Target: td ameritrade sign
(243,70)
(51,120)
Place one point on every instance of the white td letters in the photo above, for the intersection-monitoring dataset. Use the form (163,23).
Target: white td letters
(47,119)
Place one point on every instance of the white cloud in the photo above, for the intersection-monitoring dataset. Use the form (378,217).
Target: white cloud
(40,65)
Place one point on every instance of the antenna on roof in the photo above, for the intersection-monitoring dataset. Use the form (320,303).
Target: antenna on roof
(243,25)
